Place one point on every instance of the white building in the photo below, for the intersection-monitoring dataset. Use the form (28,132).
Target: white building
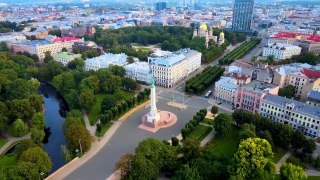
(65,57)
(139,71)
(225,90)
(281,51)
(104,61)
(168,68)
(299,115)
(12,37)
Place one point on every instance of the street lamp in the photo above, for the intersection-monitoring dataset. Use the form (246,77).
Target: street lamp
(80,145)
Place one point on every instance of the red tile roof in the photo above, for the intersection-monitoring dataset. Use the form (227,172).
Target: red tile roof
(62,39)
(310,73)
(310,37)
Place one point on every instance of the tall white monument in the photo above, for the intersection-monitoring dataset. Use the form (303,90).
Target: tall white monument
(153,116)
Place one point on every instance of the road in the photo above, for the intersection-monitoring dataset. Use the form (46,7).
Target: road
(128,136)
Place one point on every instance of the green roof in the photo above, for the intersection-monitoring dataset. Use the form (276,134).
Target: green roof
(66,55)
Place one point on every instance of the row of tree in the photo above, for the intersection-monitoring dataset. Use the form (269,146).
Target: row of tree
(200,82)
(240,51)
(111,109)
(282,135)
(193,123)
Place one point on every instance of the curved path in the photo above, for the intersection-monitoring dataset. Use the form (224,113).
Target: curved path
(125,138)
(12,140)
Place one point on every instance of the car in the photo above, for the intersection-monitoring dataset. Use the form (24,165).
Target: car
(208,94)
(219,102)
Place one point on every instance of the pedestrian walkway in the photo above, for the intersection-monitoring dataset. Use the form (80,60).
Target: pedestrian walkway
(282,160)
(91,129)
(207,139)
(12,140)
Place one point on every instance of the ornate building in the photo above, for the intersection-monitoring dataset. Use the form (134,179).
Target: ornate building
(204,31)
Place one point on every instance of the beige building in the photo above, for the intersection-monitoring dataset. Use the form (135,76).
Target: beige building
(225,90)
(168,68)
(281,51)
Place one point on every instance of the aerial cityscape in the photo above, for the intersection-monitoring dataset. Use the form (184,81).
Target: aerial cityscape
(160,89)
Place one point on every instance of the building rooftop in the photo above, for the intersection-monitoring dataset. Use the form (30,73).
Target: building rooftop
(66,55)
(308,37)
(313,96)
(282,46)
(168,59)
(258,87)
(227,82)
(35,42)
(141,66)
(63,39)
(105,60)
(300,107)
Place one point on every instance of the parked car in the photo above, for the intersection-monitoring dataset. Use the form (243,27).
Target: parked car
(208,94)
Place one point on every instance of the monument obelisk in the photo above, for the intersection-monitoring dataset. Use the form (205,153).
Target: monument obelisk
(153,116)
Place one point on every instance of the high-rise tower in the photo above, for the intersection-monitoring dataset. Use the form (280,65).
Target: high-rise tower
(242,15)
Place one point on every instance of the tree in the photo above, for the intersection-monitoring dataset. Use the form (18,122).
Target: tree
(270,58)
(287,91)
(214,109)
(298,140)
(3,116)
(19,128)
(89,54)
(23,146)
(309,146)
(64,82)
(222,124)
(247,131)
(130,59)
(38,121)
(123,165)
(64,49)
(143,168)
(37,136)
(36,101)
(185,132)
(19,89)
(187,173)
(253,155)
(47,57)
(38,157)
(4,46)
(76,136)
(285,135)
(129,84)
(87,100)
(27,170)
(175,141)
(117,70)
(108,102)
(55,32)
(289,171)
(191,149)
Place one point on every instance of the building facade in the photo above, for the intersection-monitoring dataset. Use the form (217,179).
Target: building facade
(104,61)
(281,51)
(248,97)
(139,71)
(300,116)
(225,90)
(169,68)
(242,15)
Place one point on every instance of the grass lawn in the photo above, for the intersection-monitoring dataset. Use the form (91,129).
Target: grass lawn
(227,145)
(278,153)
(104,129)
(200,132)
(207,121)
(8,160)
(3,141)
(120,95)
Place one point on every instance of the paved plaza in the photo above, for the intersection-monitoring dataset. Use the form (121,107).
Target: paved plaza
(126,139)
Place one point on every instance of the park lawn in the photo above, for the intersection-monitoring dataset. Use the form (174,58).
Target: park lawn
(8,160)
(207,121)
(120,95)
(3,141)
(104,129)
(227,145)
(200,132)
(278,154)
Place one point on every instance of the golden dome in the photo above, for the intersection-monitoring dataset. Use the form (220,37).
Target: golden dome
(222,33)
(203,26)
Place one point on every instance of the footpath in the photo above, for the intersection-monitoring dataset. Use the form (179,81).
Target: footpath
(12,140)
(95,146)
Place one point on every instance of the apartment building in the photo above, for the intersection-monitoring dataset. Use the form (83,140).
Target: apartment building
(139,71)
(168,68)
(281,51)
(104,61)
(225,90)
(300,116)
(248,96)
